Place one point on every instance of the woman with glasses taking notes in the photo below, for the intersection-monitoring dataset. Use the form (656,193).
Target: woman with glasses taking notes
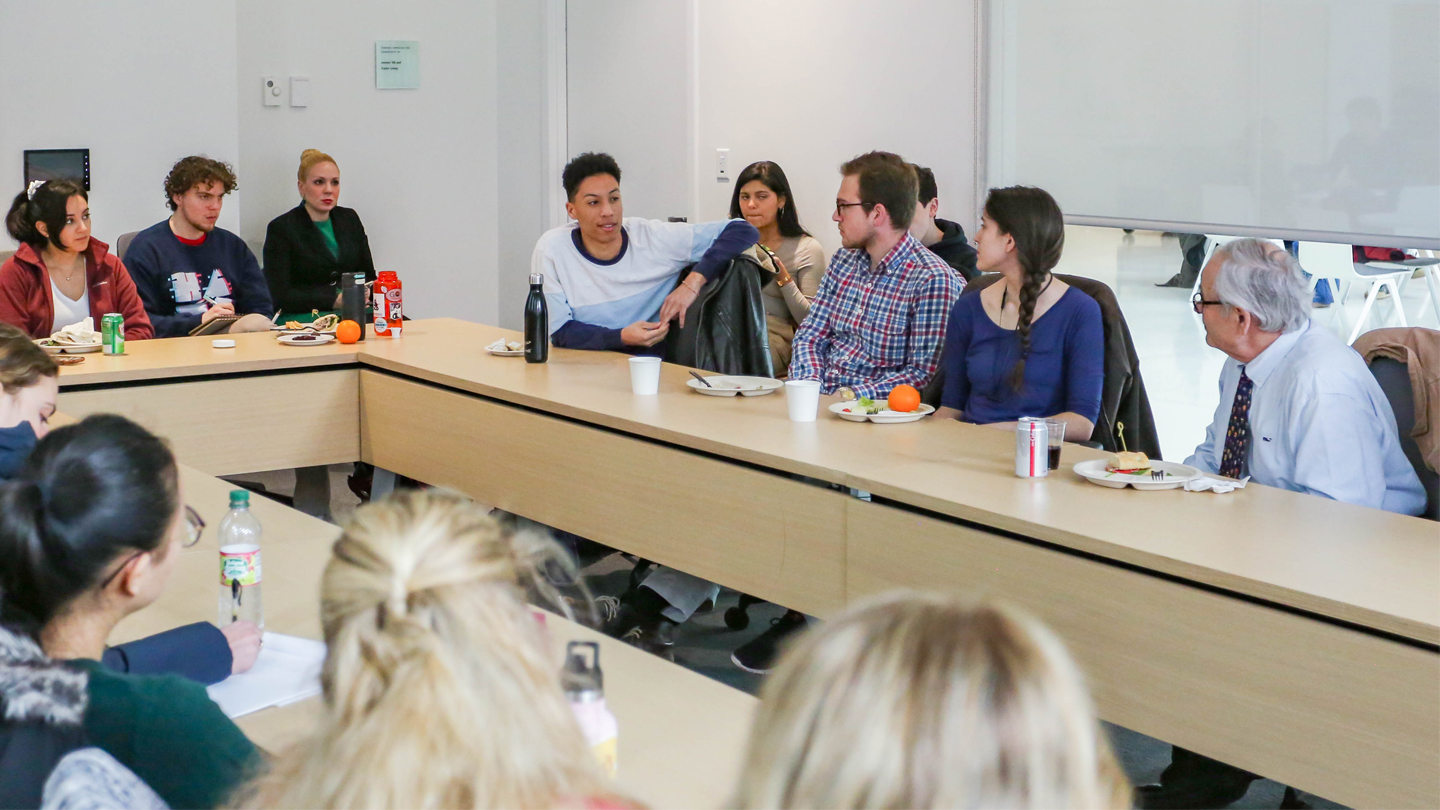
(91,527)
(200,652)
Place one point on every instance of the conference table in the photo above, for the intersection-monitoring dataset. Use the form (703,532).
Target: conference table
(1287,634)
(682,735)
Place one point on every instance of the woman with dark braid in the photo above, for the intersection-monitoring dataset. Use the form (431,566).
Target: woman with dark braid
(1028,345)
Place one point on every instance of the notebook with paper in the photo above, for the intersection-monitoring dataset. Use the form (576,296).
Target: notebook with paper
(287,670)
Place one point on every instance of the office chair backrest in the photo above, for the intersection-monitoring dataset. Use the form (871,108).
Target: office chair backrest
(123,244)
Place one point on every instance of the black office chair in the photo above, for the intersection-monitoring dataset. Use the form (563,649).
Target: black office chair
(1394,379)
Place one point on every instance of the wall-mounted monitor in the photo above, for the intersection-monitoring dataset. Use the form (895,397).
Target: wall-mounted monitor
(57,164)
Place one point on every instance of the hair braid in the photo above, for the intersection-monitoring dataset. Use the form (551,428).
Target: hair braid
(1032,217)
(1029,297)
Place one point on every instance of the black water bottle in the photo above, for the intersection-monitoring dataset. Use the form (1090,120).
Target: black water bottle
(353,298)
(537,322)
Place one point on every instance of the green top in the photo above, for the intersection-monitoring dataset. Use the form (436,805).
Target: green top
(327,233)
(168,731)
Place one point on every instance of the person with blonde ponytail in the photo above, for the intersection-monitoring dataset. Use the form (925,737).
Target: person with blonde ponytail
(439,689)
(308,247)
(1028,345)
(924,701)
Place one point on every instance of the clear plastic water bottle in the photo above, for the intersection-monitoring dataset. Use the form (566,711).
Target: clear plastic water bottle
(240,570)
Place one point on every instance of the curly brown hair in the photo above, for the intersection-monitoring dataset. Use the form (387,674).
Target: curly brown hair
(197,170)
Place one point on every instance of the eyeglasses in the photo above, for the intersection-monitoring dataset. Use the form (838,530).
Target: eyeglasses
(194,528)
(841,206)
(1198,303)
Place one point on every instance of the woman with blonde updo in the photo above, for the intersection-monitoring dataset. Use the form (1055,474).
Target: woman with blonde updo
(923,701)
(439,688)
(308,247)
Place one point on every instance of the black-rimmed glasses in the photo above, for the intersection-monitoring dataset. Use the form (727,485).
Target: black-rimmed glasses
(841,206)
(194,528)
(1198,303)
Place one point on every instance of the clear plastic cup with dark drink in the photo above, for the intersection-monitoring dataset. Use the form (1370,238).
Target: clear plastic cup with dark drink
(1056,429)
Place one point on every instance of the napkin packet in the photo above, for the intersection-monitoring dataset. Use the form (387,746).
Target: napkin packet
(1215,483)
(80,333)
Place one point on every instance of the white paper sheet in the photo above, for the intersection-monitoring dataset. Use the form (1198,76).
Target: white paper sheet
(287,670)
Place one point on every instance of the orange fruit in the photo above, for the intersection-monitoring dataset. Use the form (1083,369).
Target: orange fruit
(904,398)
(347,332)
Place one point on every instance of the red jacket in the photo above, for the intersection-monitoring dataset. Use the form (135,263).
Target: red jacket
(26,298)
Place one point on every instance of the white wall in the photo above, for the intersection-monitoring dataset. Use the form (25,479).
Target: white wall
(824,80)
(140,84)
(808,84)
(524,173)
(418,165)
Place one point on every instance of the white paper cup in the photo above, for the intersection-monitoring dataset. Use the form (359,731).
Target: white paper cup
(645,375)
(803,399)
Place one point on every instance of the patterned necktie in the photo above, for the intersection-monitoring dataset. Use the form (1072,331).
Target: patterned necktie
(1237,435)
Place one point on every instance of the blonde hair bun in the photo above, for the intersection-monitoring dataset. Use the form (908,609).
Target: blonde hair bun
(311,158)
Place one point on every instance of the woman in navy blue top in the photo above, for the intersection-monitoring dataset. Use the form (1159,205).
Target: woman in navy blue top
(1028,345)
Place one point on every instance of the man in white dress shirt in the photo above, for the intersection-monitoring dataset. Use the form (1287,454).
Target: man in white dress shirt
(1298,410)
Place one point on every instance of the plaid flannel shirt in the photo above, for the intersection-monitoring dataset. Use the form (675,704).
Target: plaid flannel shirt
(874,330)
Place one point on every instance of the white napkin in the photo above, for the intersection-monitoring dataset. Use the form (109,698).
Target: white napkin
(1215,484)
(502,346)
(77,333)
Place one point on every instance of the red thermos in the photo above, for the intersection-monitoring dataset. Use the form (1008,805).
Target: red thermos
(388,305)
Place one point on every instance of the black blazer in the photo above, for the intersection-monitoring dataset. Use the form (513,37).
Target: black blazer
(298,266)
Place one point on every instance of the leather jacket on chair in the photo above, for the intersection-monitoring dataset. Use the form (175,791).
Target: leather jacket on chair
(725,328)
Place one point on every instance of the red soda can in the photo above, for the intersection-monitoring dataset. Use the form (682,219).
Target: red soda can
(388,305)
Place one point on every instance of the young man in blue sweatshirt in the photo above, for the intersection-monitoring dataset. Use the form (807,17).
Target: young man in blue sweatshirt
(188,271)
(611,283)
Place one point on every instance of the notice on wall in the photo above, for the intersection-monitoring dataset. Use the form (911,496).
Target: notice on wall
(397,64)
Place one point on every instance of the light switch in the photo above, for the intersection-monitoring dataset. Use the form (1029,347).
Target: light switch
(299,91)
(270,91)
(722,165)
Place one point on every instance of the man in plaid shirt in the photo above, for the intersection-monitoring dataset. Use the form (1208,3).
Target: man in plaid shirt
(878,319)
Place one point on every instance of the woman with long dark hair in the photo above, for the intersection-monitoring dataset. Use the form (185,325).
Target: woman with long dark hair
(61,275)
(90,529)
(763,197)
(1028,345)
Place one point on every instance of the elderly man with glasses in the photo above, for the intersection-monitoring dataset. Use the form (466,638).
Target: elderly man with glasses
(1298,410)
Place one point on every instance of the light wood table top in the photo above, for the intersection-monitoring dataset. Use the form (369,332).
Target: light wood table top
(682,735)
(1348,563)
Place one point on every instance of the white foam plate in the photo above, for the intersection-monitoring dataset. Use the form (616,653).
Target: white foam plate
(726,385)
(82,348)
(1175,475)
(310,339)
(884,417)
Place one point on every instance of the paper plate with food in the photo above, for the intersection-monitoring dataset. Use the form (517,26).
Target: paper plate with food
(506,348)
(903,405)
(77,338)
(1136,470)
(321,325)
(305,339)
(729,385)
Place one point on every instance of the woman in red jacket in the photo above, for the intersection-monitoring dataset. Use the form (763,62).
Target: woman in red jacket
(60,275)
